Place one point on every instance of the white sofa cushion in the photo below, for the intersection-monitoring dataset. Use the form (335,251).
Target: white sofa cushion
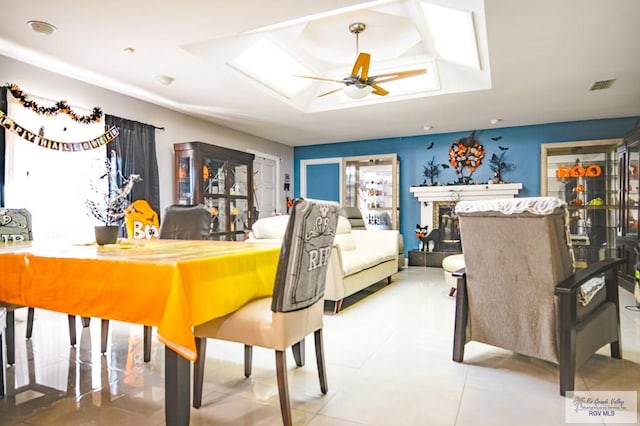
(270,228)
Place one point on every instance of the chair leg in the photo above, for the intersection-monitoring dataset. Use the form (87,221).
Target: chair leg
(322,371)
(3,364)
(30,315)
(104,335)
(460,325)
(11,338)
(616,349)
(198,371)
(283,388)
(86,322)
(452,291)
(72,329)
(298,353)
(147,343)
(248,360)
(337,305)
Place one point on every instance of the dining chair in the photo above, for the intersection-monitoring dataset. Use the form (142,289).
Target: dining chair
(180,222)
(520,290)
(294,311)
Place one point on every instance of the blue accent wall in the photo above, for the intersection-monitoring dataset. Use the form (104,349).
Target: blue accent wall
(323,182)
(523,151)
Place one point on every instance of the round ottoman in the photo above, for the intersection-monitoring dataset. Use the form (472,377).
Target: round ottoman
(451,264)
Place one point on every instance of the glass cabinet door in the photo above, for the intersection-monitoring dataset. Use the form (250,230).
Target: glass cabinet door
(185,178)
(633,182)
(585,175)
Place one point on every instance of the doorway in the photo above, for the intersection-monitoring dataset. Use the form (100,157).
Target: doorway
(265,185)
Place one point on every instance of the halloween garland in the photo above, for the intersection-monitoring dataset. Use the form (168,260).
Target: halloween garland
(61,107)
(101,140)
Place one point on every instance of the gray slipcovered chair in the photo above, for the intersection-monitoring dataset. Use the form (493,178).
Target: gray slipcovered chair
(354,216)
(294,311)
(180,222)
(520,290)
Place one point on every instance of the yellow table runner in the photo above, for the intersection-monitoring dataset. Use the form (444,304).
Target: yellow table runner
(173,285)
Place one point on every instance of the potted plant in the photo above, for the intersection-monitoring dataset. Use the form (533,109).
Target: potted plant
(108,201)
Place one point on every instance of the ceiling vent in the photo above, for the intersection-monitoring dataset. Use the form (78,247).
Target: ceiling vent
(602,84)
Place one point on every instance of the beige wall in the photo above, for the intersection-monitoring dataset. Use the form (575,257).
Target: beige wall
(178,127)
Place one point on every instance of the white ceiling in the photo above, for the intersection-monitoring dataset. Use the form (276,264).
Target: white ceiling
(538,58)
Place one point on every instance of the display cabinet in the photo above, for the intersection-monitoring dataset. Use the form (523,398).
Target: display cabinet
(629,162)
(585,174)
(221,179)
(371,183)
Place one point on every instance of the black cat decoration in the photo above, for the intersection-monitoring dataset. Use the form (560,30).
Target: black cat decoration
(424,236)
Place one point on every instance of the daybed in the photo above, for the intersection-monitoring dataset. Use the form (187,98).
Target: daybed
(359,258)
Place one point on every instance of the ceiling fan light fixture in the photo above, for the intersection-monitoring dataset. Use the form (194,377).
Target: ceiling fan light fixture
(355,91)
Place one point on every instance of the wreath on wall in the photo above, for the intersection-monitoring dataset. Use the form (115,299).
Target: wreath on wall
(466,153)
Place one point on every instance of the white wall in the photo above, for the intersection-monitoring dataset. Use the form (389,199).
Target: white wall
(178,127)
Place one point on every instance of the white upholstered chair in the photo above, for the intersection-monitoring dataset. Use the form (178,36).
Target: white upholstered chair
(294,311)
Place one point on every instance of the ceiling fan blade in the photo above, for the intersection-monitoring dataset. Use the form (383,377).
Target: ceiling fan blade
(396,75)
(361,66)
(330,92)
(378,90)
(321,78)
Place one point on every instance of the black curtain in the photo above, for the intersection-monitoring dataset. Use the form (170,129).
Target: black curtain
(3,107)
(136,149)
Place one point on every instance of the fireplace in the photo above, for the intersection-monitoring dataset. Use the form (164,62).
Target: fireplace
(437,205)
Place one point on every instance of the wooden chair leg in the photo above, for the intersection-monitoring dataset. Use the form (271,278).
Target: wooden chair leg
(147,342)
(298,353)
(104,335)
(283,388)
(11,338)
(248,360)
(460,325)
(30,316)
(452,291)
(198,371)
(322,372)
(72,329)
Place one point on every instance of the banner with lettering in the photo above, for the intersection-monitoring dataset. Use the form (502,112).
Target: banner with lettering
(98,142)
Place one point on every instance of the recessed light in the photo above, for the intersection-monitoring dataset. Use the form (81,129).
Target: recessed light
(128,50)
(427,127)
(495,120)
(164,79)
(42,27)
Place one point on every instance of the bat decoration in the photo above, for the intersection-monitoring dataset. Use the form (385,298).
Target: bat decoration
(430,146)
(496,139)
(503,148)
(444,166)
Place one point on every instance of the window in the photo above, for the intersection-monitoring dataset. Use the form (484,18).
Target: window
(52,185)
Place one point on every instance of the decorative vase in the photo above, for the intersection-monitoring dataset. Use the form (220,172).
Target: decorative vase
(107,234)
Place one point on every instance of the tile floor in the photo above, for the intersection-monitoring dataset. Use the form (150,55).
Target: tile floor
(388,360)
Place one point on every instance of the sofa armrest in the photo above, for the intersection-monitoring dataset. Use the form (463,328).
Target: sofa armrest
(334,289)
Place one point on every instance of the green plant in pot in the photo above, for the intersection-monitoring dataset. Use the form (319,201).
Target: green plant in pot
(109,201)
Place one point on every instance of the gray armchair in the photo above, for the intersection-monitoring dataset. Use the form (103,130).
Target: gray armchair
(520,291)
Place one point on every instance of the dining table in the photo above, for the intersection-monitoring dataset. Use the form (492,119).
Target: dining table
(173,285)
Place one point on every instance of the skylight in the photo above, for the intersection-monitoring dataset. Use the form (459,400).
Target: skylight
(453,34)
(269,64)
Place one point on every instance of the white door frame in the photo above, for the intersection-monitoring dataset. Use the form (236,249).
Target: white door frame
(277,183)
(313,162)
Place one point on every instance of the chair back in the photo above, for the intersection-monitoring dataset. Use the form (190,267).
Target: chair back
(15,225)
(304,257)
(515,252)
(354,216)
(186,222)
(141,221)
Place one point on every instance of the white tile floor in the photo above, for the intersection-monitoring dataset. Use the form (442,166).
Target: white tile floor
(388,361)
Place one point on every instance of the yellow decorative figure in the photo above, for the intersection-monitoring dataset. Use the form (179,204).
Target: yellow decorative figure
(142,221)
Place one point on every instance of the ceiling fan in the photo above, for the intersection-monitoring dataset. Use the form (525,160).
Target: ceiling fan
(360,84)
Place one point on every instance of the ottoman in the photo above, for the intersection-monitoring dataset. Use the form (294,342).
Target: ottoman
(451,264)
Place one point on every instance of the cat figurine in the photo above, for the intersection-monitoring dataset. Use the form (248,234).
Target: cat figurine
(434,235)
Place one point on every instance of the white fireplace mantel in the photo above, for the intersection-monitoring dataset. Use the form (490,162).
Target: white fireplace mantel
(427,195)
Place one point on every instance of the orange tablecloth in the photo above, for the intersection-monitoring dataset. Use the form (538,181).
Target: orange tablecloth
(173,285)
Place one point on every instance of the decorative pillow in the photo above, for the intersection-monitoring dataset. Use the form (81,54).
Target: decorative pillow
(270,227)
